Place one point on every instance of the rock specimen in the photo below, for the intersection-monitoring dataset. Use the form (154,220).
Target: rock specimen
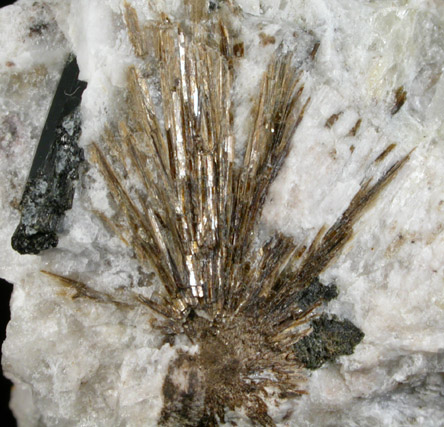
(240,158)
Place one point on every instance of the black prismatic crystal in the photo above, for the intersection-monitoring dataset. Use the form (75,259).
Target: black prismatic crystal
(49,190)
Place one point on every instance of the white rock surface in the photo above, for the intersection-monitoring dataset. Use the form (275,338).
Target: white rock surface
(76,363)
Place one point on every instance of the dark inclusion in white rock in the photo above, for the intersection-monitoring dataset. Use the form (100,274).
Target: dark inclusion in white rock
(330,338)
(49,190)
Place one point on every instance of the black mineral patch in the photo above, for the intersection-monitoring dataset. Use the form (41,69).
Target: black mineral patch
(330,338)
(49,190)
(214,5)
(48,195)
(315,292)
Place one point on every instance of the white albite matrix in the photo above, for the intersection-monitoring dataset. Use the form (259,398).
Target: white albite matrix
(79,363)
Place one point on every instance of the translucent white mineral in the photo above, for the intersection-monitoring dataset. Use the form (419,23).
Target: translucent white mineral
(79,363)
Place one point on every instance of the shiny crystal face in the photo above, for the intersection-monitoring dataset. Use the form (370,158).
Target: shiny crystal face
(252,304)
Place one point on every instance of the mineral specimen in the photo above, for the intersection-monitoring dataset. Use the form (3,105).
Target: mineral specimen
(189,285)
(194,214)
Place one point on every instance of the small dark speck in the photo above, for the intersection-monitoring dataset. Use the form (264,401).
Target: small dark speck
(238,50)
(288,415)
(314,51)
(384,154)
(37,29)
(400,98)
(9,64)
(267,39)
(355,128)
(213,5)
(332,120)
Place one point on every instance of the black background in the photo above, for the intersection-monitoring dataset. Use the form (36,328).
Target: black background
(6,3)
(6,418)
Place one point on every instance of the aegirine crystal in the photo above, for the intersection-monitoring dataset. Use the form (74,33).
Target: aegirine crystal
(49,190)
